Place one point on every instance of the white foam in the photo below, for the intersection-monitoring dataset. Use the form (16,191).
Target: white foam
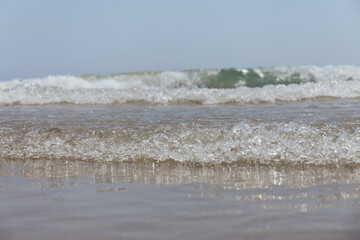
(181,87)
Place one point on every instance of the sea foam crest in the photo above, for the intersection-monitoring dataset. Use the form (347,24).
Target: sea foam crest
(194,86)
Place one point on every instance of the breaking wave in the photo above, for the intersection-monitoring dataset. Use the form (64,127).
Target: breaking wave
(221,86)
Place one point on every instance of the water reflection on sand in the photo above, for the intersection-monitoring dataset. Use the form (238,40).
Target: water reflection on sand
(245,183)
(169,200)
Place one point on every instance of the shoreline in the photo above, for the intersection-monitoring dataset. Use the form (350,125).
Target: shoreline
(182,173)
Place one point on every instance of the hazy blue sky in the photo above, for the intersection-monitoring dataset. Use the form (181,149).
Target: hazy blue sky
(43,37)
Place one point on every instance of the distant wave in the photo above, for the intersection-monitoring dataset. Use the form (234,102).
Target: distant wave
(214,86)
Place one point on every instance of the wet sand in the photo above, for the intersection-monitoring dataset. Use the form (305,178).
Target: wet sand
(170,200)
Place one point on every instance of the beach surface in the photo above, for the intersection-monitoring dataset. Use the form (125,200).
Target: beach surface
(84,200)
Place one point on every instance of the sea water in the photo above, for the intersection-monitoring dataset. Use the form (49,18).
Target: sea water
(201,154)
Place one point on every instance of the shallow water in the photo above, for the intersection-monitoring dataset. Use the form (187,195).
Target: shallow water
(323,132)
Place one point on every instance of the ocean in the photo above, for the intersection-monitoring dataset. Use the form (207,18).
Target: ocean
(199,154)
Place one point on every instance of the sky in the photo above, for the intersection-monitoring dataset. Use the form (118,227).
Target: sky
(48,37)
